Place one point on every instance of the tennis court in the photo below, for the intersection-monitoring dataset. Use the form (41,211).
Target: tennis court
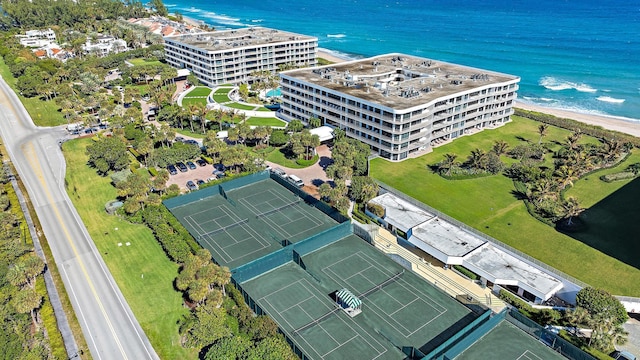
(311,319)
(506,341)
(243,224)
(396,299)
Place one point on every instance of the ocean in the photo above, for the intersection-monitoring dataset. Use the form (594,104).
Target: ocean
(580,55)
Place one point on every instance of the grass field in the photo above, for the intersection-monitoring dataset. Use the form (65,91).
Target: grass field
(235,105)
(199,91)
(43,113)
(141,62)
(155,303)
(259,121)
(488,205)
(193,100)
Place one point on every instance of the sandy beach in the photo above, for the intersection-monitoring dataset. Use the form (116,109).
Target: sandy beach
(611,123)
(328,56)
(626,126)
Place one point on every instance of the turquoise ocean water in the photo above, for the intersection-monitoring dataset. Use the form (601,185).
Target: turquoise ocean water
(581,55)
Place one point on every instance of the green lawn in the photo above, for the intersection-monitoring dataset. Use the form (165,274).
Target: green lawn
(186,131)
(193,100)
(154,302)
(142,61)
(259,121)
(239,106)
(262,108)
(488,205)
(277,156)
(199,91)
(43,113)
(221,99)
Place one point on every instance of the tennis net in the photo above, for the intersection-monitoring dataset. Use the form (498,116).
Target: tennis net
(224,228)
(315,322)
(278,209)
(381,285)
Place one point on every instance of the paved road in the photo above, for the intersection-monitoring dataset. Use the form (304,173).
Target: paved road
(111,330)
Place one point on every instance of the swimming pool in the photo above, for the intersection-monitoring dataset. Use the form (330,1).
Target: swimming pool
(274,93)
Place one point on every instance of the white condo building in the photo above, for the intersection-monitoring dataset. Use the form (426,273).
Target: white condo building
(231,56)
(400,105)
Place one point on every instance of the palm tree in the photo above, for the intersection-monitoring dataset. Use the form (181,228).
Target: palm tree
(543,189)
(565,175)
(27,301)
(571,209)
(500,147)
(542,130)
(478,159)
(572,140)
(611,150)
(577,317)
(448,163)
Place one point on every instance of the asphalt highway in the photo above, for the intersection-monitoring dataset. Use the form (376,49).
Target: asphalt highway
(109,326)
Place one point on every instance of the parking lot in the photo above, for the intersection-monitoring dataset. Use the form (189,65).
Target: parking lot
(200,173)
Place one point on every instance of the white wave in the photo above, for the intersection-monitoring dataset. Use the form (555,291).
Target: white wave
(257,21)
(554,84)
(610,99)
(223,19)
(336,35)
(193,10)
(339,54)
(585,88)
(170,5)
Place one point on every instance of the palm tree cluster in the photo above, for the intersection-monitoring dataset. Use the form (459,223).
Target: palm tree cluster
(543,186)
(478,163)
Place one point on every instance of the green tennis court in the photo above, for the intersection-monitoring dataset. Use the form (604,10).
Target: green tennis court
(243,224)
(395,298)
(506,341)
(308,315)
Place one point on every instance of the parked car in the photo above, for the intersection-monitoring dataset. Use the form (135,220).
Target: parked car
(623,355)
(279,172)
(179,139)
(219,174)
(172,169)
(200,182)
(201,162)
(191,165)
(191,185)
(191,142)
(181,166)
(295,180)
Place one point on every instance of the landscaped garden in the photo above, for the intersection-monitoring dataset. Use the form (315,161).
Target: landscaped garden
(491,204)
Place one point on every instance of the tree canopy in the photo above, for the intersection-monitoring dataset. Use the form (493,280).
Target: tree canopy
(601,304)
(108,154)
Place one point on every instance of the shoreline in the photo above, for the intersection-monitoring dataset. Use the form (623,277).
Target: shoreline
(627,126)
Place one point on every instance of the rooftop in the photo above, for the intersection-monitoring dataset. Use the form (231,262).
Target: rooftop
(495,264)
(400,213)
(399,81)
(238,38)
(445,237)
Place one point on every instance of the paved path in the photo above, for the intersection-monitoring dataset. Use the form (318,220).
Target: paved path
(110,329)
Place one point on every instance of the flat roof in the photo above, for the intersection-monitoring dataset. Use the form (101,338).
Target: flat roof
(401,213)
(238,38)
(399,81)
(405,312)
(445,237)
(504,266)
(324,133)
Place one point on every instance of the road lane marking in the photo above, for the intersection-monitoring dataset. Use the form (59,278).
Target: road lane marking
(30,153)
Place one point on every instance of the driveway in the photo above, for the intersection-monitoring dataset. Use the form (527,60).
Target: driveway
(314,175)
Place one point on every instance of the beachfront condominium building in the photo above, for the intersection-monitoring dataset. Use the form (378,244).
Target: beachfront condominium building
(231,56)
(400,105)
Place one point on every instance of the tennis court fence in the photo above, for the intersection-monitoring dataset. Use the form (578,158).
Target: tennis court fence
(552,340)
